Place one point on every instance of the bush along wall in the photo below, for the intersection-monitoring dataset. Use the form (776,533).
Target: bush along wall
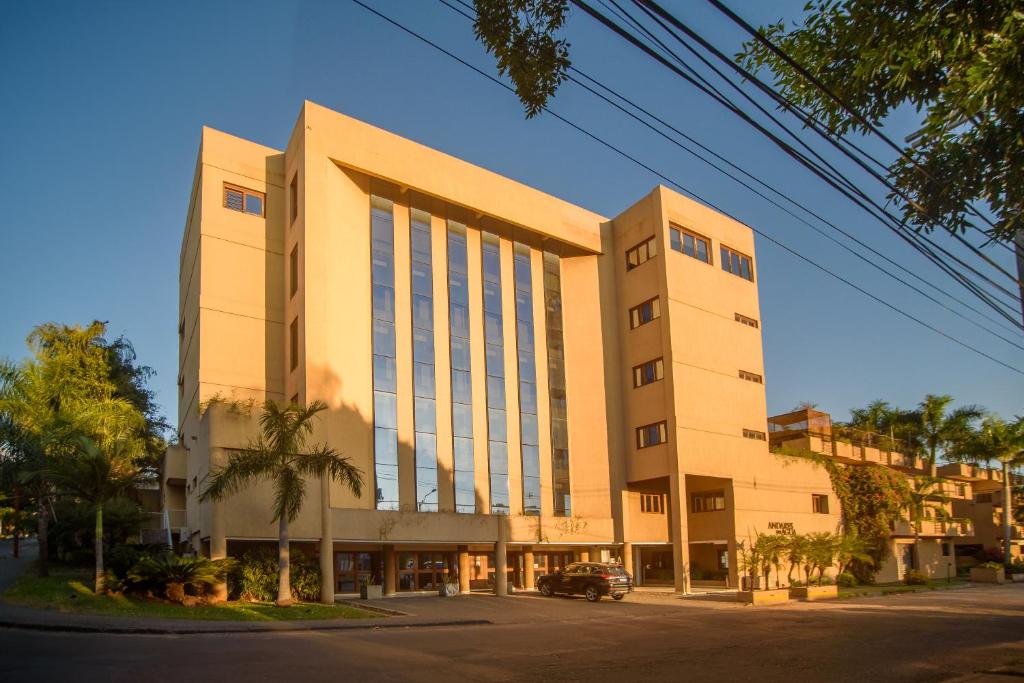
(255,576)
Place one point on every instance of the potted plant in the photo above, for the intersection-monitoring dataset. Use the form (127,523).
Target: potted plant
(819,555)
(758,562)
(989,572)
(370,588)
(1016,569)
(449,586)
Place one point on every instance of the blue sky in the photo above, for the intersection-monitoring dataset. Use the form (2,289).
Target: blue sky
(100,119)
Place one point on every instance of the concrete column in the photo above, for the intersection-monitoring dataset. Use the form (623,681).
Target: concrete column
(389,570)
(464,569)
(501,560)
(583,556)
(680,533)
(595,554)
(326,544)
(528,579)
(627,558)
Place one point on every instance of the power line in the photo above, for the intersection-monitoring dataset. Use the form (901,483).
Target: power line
(911,237)
(687,191)
(768,187)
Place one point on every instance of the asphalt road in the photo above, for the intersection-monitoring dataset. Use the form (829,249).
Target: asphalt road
(959,634)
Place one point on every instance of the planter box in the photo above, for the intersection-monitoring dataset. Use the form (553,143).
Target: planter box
(814,593)
(1017,577)
(371,592)
(772,597)
(986,575)
(448,590)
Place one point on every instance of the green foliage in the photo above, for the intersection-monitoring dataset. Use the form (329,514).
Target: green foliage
(871,498)
(991,565)
(72,533)
(847,580)
(915,578)
(171,574)
(958,62)
(255,577)
(521,34)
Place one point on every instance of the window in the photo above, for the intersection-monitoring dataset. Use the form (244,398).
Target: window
(293,343)
(753,434)
(556,386)
(644,313)
(651,435)
(961,490)
(641,253)
(648,372)
(240,199)
(494,354)
(293,271)
(424,394)
(947,549)
(293,197)
(736,263)
(462,391)
(984,498)
(751,377)
(751,322)
(653,503)
(819,503)
(691,244)
(525,352)
(707,501)
(385,385)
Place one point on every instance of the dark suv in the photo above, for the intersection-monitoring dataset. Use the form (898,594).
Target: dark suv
(591,579)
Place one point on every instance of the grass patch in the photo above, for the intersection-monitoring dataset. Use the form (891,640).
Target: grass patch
(898,588)
(70,590)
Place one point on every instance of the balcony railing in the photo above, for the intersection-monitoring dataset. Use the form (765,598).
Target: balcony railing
(934,527)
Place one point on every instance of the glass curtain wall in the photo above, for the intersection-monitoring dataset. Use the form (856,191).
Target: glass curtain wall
(424,394)
(462,394)
(497,440)
(527,380)
(556,386)
(385,400)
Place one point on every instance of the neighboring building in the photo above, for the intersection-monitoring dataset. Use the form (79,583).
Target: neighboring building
(523,382)
(962,514)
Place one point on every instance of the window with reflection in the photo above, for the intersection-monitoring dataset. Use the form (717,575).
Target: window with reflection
(424,389)
(526,354)
(385,399)
(462,387)
(494,341)
(556,386)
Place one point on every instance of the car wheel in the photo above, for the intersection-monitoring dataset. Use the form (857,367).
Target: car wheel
(591,593)
(618,596)
(545,589)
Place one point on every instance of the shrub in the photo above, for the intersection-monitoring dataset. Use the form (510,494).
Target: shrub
(172,574)
(255,576)
(121,558)
(72,529)
(991,565)
(915,578)
(826,580)
(847,580)
(1015,567)
(989,555)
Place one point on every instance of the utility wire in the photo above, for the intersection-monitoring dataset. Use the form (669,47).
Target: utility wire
(687,191)
(777,192)
(800,159)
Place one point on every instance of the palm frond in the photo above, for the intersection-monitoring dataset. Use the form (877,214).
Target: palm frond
(289,494)
(243,467)
(324,461)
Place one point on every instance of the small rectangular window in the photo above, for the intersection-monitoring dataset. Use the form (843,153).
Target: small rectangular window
(736,263)
(241,199)
(690,243)
(753,434)
(293,197)
(751,377)
(641,253)
(708,501)
(646,373)
(293,343)
(819,503)
(644,313)
(653,503)
(293,270)
(651,435)
(983,498)
(947,549)
(751,322)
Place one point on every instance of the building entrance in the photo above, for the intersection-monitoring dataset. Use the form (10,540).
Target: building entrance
(656,567)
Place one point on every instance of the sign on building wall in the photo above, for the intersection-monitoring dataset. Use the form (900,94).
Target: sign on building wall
(782,528)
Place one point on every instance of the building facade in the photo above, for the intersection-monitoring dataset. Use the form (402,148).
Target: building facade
(522,382)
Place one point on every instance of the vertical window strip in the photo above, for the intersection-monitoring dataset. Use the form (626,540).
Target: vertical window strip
(497,441)
(424,390)
(556,387)
(385,388)
(459,348)
(526,355)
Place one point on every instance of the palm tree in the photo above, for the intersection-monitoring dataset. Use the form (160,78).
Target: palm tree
(821,553)
(1002,442)
(796,551)
(925,492)
(934,427)
(280,454)
(98,475)
(850,548)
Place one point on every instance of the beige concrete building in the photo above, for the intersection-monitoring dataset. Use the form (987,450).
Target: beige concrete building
(522,382)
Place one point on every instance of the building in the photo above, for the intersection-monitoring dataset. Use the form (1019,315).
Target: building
(523,382)
(962,511)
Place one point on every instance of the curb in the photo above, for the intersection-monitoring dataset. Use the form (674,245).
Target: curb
(154,630)
(366,607)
